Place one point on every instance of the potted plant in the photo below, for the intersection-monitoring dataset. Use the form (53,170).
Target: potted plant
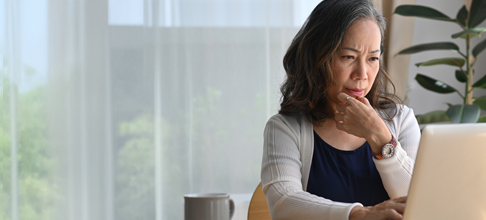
(468,18)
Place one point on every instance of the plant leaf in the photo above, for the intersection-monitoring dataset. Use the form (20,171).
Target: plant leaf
(433,117)
(433,84)
(460,76)
(481,83)
(463,113)
(430,46)
(481,102)
(479,48)
(478,8)
(482,119)
(423,12)
(474,32)
(447,61)
(461,16)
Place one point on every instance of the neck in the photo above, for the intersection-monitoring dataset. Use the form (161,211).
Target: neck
(337,138)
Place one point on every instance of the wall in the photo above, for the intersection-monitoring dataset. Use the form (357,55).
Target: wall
(428,31)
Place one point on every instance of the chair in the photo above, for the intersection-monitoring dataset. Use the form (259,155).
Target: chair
(258,209)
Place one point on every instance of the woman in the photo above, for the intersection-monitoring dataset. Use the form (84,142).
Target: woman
(341,146)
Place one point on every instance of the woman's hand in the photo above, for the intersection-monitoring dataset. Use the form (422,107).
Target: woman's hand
(357,117)
(390,209)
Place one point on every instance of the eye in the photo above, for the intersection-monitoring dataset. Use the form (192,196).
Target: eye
(374,58)
(348,57)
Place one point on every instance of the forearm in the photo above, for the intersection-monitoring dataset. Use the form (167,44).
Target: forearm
(396,172)
(282,175)
(378,139)
(286,202)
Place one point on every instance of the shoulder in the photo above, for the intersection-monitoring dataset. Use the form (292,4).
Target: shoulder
(402,111)
(404,117)
(294,120)
(291,119)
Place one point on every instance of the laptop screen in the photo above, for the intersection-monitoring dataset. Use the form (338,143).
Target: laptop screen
(449,179)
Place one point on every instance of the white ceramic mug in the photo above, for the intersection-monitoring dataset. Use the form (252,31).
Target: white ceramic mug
(208,206)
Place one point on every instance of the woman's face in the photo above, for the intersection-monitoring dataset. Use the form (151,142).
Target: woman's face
(356,62)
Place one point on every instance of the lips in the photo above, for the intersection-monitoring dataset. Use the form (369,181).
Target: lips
(355,92)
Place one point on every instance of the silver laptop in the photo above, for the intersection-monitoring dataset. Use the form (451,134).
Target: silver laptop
(449,179)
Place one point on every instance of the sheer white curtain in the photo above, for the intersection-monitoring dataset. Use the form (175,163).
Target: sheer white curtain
(114,109)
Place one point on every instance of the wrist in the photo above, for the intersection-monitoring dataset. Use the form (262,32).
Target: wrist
(388,150)
(377,142)
(358,212)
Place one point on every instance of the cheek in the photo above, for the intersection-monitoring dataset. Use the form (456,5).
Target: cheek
(341,73)
(372,78)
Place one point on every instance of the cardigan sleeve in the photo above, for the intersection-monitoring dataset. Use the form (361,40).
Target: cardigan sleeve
(281,177)
(396,172)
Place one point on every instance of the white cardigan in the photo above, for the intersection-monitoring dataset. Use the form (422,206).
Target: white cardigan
(287,156)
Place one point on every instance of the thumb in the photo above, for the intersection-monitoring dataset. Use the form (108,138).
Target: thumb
(364,100)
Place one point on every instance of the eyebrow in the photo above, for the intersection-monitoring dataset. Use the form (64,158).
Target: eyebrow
(352,49)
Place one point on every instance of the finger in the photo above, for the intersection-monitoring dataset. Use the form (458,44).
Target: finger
(361,102)
(361,99)
(399,207)
(341,107)
(397,204)
(402,199)
(343,97)
(340,125)
(364,100)
(393,214)
(339,117)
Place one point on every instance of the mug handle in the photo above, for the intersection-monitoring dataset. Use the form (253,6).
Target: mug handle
(232,208)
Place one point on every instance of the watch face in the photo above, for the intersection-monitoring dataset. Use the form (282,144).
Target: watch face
(388,151)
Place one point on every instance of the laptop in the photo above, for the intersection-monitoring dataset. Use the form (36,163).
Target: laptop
(449,178)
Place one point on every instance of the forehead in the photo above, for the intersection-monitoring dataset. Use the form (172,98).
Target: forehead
(363,33)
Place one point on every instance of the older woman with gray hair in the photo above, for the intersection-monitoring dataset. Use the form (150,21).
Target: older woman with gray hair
(342,145)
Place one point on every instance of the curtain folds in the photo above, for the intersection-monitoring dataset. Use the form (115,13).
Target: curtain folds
(114,109)
(117,108)
(399,35)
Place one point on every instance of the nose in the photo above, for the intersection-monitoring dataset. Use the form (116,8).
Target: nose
(360,71)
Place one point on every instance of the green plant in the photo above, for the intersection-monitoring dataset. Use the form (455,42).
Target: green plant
(468,18)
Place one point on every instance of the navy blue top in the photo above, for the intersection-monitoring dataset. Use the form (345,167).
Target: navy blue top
(345,176)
